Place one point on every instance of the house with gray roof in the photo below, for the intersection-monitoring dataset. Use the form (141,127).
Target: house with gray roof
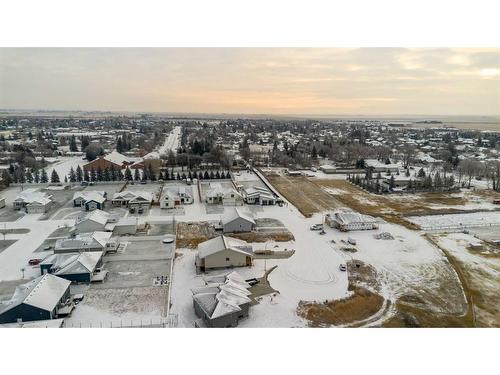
(223,252)
(75,267)
(223,302)
(238,220)
(40,299)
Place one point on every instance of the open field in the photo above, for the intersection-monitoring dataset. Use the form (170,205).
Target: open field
(480,271)
(309,198)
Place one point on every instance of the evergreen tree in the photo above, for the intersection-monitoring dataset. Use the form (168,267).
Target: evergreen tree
(99,176)
(137,175)
(36,176)
(86,176)
(106,175)
(128,175)
(392,183)
(421,173)
(314,152)
(72,175)
(29,177)
(93,175)
(206,176)
(79,174)
(44,178)
(66,179)
(72,144)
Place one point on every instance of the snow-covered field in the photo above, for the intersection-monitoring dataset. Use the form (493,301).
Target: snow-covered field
(473,219)
(63,165)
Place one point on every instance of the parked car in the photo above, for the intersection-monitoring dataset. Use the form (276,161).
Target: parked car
(132,210)
(144,182)
(343,267)
(84,183)
(322,232)
(140,210)
(352,241)
(34,262)
(317,227)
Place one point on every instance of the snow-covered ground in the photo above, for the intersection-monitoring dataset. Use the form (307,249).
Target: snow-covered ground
(312,273)
(474,219)
(64,164)
(172,142)
(19,253)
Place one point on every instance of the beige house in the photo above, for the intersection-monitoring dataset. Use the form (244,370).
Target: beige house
(223,252)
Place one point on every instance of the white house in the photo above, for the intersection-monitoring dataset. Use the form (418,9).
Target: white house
(221,195)
(136,199)
(32,201)
(347,221)
(258,195)
(173,196)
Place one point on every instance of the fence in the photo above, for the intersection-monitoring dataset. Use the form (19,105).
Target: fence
(169,322)
(458,228)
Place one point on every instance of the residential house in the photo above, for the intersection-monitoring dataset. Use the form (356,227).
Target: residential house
(223,195)
(347,221)
(75,267)
(238,220)
(40,299)
(223,302)
(32,201)
(258,195)
(174,196)
(92,200)
(133,199)
(95,241)
(113,160)
(223,252)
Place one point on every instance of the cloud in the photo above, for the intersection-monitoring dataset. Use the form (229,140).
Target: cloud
(262,80)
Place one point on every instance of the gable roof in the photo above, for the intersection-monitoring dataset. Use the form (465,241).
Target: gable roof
(73,263)
(223,298)
(44,292)
(222,243)
(237,213)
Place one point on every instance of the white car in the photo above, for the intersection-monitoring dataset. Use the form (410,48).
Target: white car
(343,267)
(168,240)
(317,227)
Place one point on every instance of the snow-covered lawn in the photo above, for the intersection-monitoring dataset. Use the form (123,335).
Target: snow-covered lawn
(64,164)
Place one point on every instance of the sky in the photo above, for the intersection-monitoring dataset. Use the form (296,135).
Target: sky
(288,81)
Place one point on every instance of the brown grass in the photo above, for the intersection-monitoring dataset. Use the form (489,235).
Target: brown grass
(283,236)
(190,235)
(362,304)
(303,194)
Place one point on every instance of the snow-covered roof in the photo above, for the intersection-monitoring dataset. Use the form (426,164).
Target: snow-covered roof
(44,292)
(223,243)
(117,158)
(29,196)
(98,216)
(73,263)
(237,213)
(352,217)
(133,195)
(84,241)
(224,298)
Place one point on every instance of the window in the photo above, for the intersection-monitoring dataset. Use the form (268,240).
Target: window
(227,259)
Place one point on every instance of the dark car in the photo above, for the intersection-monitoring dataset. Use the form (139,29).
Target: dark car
(34,262)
